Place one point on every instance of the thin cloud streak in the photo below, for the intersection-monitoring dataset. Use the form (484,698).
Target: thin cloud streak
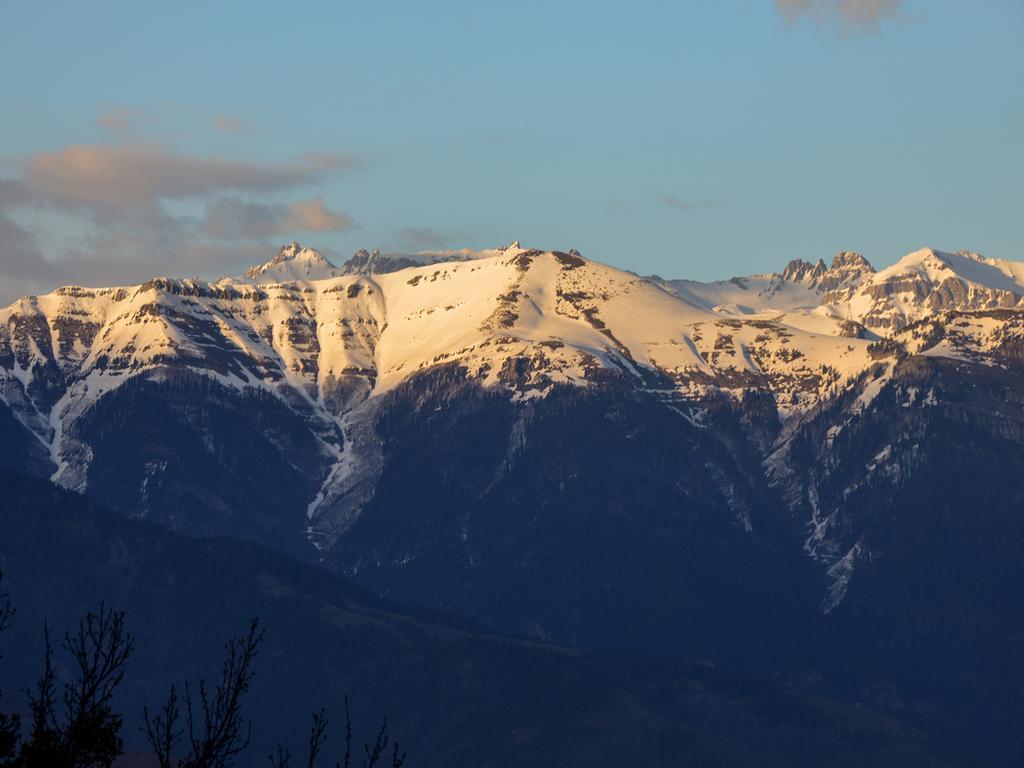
(852,16)
(229,123)
(422,239)
(120,119)
(687,205)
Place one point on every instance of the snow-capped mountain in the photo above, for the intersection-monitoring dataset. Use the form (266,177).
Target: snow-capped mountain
(505,433)
(324,343)
(927,282)
(293,262)
(519,318)
(850,296)
(324,340)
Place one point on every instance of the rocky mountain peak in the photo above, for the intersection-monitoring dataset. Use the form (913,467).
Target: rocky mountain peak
(851,260)
(799,270)
(291,250)
(364,262)
(293,261)
(845,265)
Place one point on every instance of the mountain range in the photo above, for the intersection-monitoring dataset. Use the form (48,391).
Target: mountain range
(811,477)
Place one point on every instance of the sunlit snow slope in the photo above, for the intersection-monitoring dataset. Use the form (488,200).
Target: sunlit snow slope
(520,318)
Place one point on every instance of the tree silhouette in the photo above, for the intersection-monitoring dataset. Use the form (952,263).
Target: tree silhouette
(10,725)
(87,733)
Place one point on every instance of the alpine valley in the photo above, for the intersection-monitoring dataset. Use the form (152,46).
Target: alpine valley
(813,478)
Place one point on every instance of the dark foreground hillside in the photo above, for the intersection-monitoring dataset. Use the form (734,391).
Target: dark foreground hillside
(454,697)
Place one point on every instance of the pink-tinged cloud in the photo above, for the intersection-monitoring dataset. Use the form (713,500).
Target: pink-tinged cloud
(313,216)
(234,219)
(229,123)
(116,202)
(120,119)
(851,15)
(135,176)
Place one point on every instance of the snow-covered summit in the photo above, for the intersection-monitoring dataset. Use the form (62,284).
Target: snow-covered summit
(849,293)
(293,262)
(967,266)
(929,281)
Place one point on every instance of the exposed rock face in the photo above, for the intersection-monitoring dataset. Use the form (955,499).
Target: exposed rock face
(928,282)
(365,263)
(833,283)
(798,271)
(848,271)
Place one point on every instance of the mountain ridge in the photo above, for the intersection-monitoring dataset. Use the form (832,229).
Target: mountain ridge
(328,348)
(919,285)
(535,440)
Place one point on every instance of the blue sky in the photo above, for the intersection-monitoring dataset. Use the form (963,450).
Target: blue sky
(687,139)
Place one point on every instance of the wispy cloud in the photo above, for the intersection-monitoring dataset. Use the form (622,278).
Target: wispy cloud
(120,119)
(422,239)
(687,205)
(229,123)
(852,16)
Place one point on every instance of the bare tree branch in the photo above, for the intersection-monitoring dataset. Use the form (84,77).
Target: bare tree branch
(161,730)
(317,736)
(348,735)
(280,759)
(379,745)
(101,648)
(213,719)
(42,701)
(6,607)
